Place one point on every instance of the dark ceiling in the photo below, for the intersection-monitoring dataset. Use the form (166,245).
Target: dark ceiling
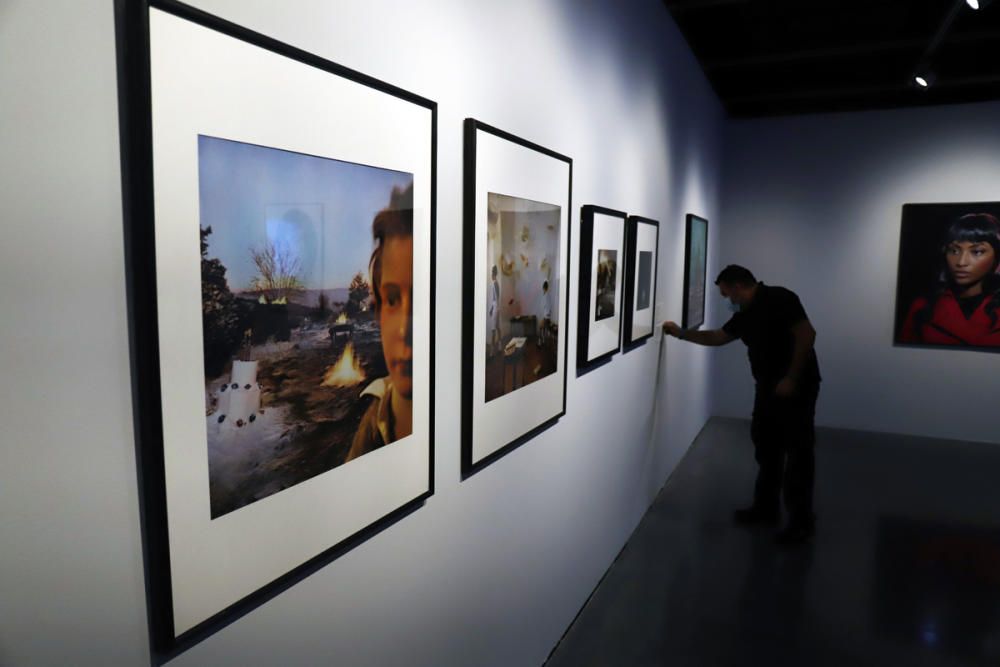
(769,57)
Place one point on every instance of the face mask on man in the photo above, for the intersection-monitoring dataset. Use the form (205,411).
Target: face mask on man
(734,307)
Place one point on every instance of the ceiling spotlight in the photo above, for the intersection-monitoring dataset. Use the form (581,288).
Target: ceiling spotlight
(973,3)
(923,78)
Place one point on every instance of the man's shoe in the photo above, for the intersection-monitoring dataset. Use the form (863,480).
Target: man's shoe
(754,515)
(794,533)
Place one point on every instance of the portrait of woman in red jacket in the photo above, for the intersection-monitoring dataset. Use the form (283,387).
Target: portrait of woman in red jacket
(963,307)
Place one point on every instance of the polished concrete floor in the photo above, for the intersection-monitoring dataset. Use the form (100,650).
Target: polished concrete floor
(904,569)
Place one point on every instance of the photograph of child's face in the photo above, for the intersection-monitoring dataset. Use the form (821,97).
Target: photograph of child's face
(396,312)
(299,348)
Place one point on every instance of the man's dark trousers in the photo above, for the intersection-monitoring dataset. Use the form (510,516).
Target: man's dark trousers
(784,437)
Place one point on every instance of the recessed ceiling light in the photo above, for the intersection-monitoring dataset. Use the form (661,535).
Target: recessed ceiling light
(921,81)
(973,3)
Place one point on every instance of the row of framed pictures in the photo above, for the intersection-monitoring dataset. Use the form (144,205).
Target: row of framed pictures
(609,317)
(607,314)
(282,269)
(618,262)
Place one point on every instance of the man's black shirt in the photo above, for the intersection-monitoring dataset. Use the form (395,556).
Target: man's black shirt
(765,326)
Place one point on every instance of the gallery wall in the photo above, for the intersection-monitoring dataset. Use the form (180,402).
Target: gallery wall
(814,203)
(493,568)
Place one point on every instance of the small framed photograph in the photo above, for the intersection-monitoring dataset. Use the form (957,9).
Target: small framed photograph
(948,286)
(602,269)
(515,304)
(280,235)
(640,279)
(695,266)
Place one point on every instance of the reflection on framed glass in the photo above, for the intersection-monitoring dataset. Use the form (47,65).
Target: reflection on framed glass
(602,251)
(643,238)
(695,266)
(948,286)
(515,303)
(283,344)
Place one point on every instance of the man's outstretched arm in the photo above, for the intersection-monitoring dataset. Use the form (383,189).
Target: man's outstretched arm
(713,337)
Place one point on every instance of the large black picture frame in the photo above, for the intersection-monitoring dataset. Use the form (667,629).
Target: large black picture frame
(694,299)
(513,434)
(135,101)
(634,333)
(584,358)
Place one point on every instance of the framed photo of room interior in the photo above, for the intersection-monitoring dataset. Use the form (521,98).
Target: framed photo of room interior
(515,291)
(280,233)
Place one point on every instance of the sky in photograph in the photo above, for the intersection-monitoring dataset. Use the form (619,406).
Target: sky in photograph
(318,208)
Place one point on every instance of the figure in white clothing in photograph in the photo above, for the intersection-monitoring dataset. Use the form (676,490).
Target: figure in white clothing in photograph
(545,309)
(493,313)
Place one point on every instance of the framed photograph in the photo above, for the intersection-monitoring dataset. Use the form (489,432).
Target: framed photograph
(602,262)
(643,238)
(279,215)
(948,285)
(695,266)
(515,304)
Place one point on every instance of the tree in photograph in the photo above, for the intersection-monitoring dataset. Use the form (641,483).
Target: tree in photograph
(223,317)
(278,272)
(358,294)
(323,305)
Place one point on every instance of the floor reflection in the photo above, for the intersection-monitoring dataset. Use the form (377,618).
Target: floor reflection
(938,584)
(904,568)
(771,599)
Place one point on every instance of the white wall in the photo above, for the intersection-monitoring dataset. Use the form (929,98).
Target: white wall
(492,569)
(814,203)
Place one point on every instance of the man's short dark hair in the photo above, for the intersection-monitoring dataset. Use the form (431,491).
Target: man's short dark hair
(735,274)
